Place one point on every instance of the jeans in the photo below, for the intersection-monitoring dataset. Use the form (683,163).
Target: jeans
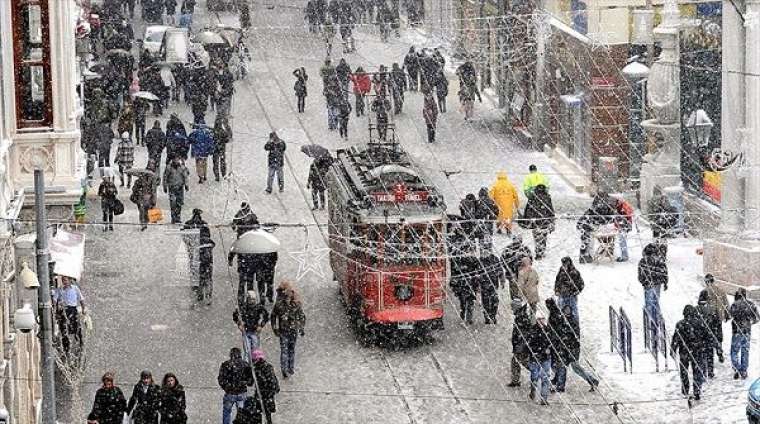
(176,200)
(227,402)
(430,132)
(571,301)
(107,212)
(318,197)
(697,362)
(560,374)
(219,161)
(740,346)
(359,104)
(301,103)
(623,240)
(332,117)
(652,302)
(251,342)
(288,352)
(275,170)
(540,371)
(441,103)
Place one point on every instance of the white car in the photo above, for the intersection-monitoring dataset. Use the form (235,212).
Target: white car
(154,36)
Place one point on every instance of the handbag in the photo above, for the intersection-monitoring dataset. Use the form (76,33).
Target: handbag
(155,215)
(118,207)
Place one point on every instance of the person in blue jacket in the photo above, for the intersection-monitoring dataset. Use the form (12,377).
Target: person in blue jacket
(201,147)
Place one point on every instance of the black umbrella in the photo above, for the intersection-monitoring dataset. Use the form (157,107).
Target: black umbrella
(315,151)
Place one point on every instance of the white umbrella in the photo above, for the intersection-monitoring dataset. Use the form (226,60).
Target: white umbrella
(256,241)
(147,95)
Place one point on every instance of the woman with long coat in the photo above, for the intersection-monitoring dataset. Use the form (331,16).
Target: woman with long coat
(144,402)
(504,193)
(173,401)
(110,405)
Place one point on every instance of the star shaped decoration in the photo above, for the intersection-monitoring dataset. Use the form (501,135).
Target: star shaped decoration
(310,260)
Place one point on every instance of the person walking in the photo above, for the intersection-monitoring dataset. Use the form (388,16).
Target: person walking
(412,66)
(688,343)
(144,403)
(328,35)
(155,141)
(744,315)
(105,138)
(528,282)
(235,375)
(343,73)
(623,224)
(714,334)
(288,322)
(398,86)
(171,10)
(176,139)
(222,136)
(110,405)
(176,183)
(125,158)
(568,285)
(486,212)
(361,86)
(141,115)
(381,106)
(316,182)
(490,277)
(564,334)
(344,114)
(430,113)
(467,100)
(172,401)
(533,180)
(521,328)
(504,194)
(539,214)
(245,220)
(107,192)
(464,286)
(540,348)
(126,121)
(441,90)
(66,301)
(511,258)
(167,85)
(201,146)
(144,197)
(653,276)
(300,88)
(275,161)
(266,383)
(251,317)
(225,89)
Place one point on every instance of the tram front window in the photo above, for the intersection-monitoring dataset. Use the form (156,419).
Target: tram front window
(406,244)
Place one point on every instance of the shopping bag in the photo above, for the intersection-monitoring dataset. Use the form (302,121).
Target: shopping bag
(155,215)
(118,207)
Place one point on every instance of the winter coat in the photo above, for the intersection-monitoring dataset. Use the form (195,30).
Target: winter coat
(430,111)
(125,154)
(563,334)
(251,411)
(126,120)
(222,134)
(235,376)
(743,315)
(527,285)
(533,180)
(412,64)
(316,178)
(276,156)
(201,142)
(691,335)
(173,405)
(381,106)
(287,317)
(486,208)
(463,283)
(343,71)
(143,404)
(144,192)
(662,215)
(511,257)
(252,316)
(361,83)
(505,195)
(267,383)
(600,213)
(713,324)
(109,406)
(398,81)
(107,192)
(539,211)
(300,87)
(521,328)
(441,86)
(539,343)
(244,221)
(568,282)
(653,271)
(104,136)
(176,178)
(344,111)
(717,300)
(624,219)
(155,141)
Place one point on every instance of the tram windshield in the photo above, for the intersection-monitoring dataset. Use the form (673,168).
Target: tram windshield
(399,243)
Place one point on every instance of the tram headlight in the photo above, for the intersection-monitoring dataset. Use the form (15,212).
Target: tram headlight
(404,292)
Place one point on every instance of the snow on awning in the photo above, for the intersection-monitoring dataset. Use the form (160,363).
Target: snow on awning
(67,250)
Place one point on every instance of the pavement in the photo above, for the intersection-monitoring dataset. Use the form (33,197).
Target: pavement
(137,287)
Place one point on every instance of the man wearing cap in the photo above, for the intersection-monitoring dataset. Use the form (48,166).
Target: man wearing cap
(250,318)
(540,358)
(533,180)
(266,383)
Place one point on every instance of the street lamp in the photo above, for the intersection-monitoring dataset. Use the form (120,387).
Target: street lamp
(636,73)
(699,125)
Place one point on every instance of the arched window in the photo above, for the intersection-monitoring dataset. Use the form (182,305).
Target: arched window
(31,53)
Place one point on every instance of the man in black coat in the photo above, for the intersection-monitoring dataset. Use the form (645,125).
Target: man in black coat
(275,161)
(105,137)
(245,220)
(486,211)
(743,316)
(235,375)
(690,341)
(250,317)
(144,403)
(568,285)
(653,276)
(539,213)
(564,335)
(412,65)
(520,332)
(266,383)
(511,257)
(540,347)
(714,335)
(468,208)
(601,212)
(155,141)
(492,273)
(464,285)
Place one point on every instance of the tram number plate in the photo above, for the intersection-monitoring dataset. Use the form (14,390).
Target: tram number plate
(405,326)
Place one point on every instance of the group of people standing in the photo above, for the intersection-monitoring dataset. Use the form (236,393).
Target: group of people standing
(147,403)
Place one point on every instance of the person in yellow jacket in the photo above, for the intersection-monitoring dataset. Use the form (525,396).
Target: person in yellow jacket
(533,180)
(504,194)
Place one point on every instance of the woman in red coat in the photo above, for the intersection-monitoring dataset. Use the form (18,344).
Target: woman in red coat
(362,85)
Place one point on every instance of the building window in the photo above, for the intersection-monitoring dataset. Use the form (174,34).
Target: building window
(31,53)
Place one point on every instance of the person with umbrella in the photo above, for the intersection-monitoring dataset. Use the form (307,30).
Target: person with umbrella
(201,147)
(275,160)
(175,184)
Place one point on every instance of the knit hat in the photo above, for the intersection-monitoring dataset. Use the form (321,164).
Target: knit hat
(257,354)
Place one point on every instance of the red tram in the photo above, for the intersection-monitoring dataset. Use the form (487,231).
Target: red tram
(387,244)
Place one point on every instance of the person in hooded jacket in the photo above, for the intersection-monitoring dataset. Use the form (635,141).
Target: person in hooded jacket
(468,211)
(539,362)
(222,136)
(564,334)
(288,322)
(251,317)
(300,88)
(155,141)
(744,315)
(202,146)
(245,220)
(568,285)
(504,193)
(464,285)
(486,210)
(653,276)
(235,376)
(145,400)
(430,114)
(110,405)
(521,327)
(343,72)
(511,258)
(361,86)
(490,277)
(316,182)
(714,340)
(601,212)
(176,139)
(688,343)
(173,402)
(412,65)
(539,213)
(266,383)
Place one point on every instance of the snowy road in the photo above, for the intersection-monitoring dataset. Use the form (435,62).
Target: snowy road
(141,303)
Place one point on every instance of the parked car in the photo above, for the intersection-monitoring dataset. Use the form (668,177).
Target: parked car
(753,403)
